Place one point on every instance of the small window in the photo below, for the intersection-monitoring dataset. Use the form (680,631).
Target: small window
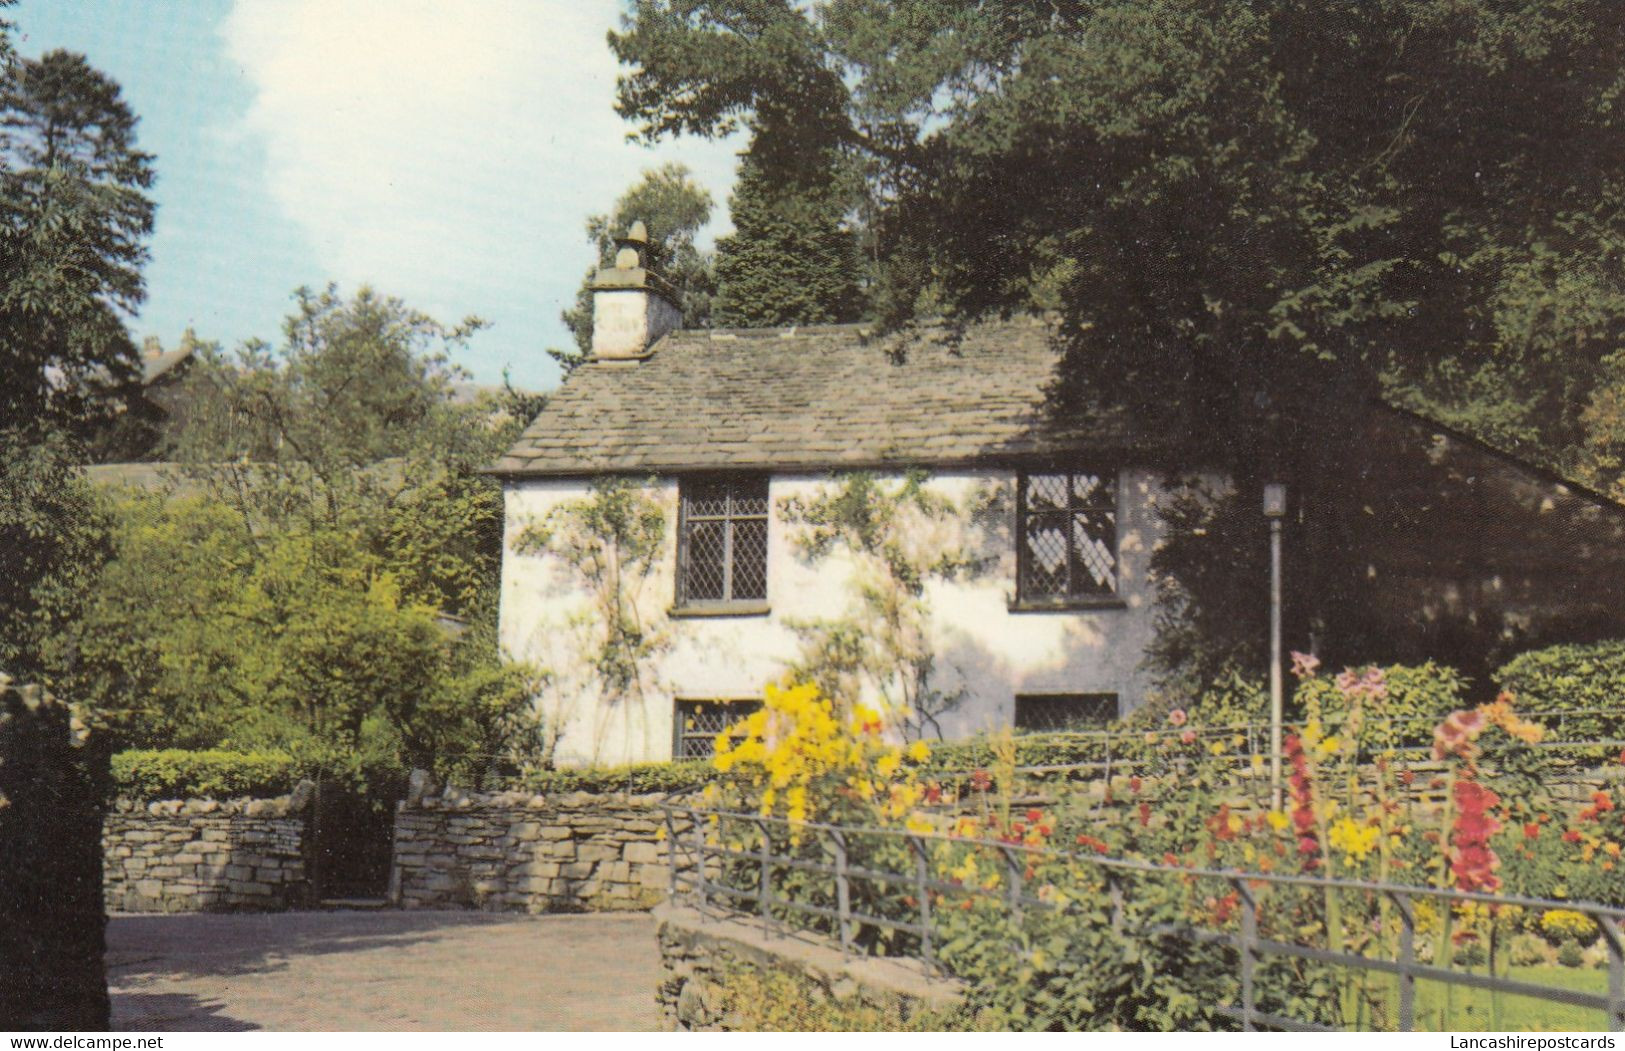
(1066,546)
(722,557)
(1056,712)
(697,723)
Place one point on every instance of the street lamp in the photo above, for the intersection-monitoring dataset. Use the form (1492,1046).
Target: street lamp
(1275,511)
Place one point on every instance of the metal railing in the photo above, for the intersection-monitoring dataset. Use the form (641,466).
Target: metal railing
(698,835)
(1407,738)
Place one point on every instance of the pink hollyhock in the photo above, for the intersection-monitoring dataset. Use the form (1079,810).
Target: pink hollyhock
(1178,717)
(1304,665)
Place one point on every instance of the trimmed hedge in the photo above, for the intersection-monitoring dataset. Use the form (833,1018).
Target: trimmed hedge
(1572,678)
(176,773)
(636,779)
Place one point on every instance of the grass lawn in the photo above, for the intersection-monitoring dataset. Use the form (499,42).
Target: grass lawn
(1473,1010)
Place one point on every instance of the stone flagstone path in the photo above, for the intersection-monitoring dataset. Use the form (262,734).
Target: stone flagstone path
(383,970)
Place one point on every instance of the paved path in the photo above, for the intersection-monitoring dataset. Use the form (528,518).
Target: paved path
(383,971)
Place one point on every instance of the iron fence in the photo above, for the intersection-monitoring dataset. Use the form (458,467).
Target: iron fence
(700,855)
(1409,739)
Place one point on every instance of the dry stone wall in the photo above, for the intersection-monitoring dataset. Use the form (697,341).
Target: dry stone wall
(702,955)
(205,855)
(518,852)
(53,788)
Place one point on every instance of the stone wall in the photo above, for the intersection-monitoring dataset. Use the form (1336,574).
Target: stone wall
(204,855)
(702,955)
(518,852)
(53,789)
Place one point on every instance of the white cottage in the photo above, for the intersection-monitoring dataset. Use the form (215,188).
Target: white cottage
(1414,541)
(722,426)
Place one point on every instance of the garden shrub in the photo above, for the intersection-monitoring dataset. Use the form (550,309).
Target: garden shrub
(755,1000)
(176,773)
(1586,677)
(1569,954)
(216,773)
(1527,950)
(638,778)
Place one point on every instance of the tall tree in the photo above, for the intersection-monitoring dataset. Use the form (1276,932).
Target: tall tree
(793,258)
(74,218)
(1233,206)
(73,222)
(674,208)
(353,426)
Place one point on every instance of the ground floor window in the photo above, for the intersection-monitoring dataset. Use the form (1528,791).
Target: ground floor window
(697,723)
(1053,712)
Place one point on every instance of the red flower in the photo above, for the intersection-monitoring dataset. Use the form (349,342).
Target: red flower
(1188,737)
(980,780)
(933,793)
(1145,814)
(1168,858)
(1097,845)
(1406,777)
(1134,783)
(1571,836)
(1043,830)
(1035,816)
(1531,830)
(1604,804)
(1472,861)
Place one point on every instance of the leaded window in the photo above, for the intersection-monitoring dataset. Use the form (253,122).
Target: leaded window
(696,725)
(1055,712)
(1066,547)
(722,559)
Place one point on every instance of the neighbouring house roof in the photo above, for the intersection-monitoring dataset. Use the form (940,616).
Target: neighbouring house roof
(815,397)
(155,367)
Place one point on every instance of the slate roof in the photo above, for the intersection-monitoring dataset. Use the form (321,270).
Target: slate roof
(813,398)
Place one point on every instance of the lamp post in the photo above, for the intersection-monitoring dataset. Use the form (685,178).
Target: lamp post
(1275,511)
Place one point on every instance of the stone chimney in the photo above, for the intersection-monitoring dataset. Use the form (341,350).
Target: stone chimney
(632,306)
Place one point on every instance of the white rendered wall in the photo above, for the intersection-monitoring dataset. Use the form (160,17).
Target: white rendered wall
(981,644)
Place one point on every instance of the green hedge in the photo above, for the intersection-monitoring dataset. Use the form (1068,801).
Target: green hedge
(639,778)
(1572,678)
(175,773)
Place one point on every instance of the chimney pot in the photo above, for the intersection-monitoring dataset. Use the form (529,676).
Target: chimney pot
(632,306)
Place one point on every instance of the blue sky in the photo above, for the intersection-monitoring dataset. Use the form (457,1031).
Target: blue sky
(444,151)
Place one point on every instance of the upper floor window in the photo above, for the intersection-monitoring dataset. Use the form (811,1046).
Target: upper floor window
(1066,537)
(722,542)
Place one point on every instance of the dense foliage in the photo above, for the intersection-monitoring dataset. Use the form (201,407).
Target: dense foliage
(320,577)
(793,258)
(174,773)
(1588,681)
(74,219)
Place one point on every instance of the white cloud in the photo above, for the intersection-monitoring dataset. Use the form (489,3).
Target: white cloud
(448,152)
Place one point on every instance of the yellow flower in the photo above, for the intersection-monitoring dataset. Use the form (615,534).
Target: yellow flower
(1328,746)
(918,825)
(1216,748)
(1278,821)
(919,751)
(1258,764)
(1353,838)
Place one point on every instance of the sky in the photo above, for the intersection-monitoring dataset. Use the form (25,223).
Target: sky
(447,152)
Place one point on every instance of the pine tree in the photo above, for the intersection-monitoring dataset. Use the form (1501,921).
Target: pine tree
(793,258)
